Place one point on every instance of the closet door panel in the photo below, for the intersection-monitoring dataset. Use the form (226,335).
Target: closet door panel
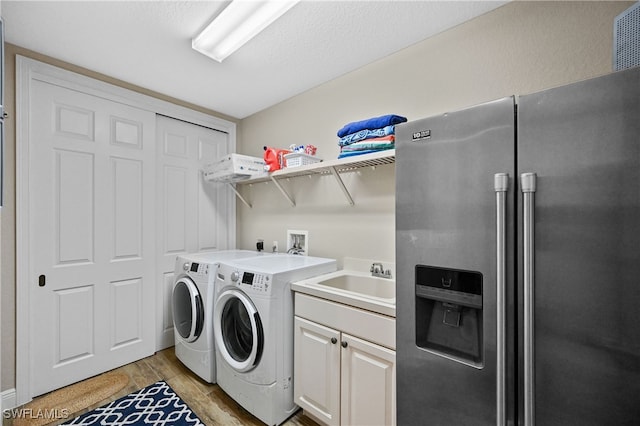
(91,235)
(192,213)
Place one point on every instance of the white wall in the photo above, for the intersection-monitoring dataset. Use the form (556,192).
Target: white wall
(519,48)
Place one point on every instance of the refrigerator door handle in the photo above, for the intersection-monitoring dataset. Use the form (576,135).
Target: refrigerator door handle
(501,185)
(528,185)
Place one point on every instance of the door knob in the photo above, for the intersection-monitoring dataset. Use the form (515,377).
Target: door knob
(334,340)
(344,344)
(42,280)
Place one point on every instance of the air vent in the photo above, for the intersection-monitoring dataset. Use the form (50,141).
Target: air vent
(626,39)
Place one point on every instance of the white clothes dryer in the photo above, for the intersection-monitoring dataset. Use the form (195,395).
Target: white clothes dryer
(192,302)
(253,329)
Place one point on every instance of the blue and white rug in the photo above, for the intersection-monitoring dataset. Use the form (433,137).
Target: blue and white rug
(156,405)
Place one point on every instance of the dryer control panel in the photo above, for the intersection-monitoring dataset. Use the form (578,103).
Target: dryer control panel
(198,269)
(258,282)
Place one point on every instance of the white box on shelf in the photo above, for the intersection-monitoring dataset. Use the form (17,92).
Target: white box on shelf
(234,167)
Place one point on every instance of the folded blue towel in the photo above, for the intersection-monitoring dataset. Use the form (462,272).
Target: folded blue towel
(371,123)
(366,134)
(367,146)
(353,153)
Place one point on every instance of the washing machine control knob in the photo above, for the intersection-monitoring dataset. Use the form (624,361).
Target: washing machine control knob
(235,276)
(185,266)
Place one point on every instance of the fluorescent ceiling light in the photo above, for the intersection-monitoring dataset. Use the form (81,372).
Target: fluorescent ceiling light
(238,23)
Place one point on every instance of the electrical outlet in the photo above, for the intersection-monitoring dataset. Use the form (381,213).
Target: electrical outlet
(298,242)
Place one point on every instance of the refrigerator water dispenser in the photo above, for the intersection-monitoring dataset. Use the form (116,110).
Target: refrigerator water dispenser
(449,313)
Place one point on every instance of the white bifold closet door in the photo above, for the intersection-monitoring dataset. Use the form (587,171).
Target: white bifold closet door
(193,215)
(92,235)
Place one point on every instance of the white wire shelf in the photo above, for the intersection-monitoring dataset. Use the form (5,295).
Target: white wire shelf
(333,167)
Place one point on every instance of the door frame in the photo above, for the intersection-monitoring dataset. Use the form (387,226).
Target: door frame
(27,71)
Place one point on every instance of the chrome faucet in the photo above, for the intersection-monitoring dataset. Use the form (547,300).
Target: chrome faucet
(377,270)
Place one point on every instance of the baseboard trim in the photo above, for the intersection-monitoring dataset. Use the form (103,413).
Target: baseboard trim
(8,399)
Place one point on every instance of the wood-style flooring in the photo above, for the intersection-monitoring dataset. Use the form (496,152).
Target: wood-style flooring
(207,400)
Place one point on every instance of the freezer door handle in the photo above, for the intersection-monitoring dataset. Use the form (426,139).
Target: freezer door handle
(501,185)
(528,185)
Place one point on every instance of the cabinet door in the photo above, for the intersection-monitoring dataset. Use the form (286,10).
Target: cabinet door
(368,384)
(316,380)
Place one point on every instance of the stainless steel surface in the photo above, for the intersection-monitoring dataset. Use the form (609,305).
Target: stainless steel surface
(582,141)
(445,217)
(528,186)
(501,186)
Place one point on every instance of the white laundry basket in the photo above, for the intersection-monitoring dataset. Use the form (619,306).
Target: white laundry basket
(297,159)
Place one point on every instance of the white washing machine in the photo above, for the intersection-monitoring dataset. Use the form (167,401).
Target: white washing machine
(253,329)
(192,302)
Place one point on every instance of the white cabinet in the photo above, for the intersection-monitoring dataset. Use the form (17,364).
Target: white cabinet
(367,383)
(316,371)
(341,379)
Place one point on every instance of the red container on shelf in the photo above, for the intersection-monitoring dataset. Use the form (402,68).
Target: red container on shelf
(274,158)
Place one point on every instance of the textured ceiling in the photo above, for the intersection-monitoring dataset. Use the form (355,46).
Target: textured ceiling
(148,43)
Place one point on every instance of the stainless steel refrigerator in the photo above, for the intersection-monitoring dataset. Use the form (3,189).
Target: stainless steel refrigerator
(518,260)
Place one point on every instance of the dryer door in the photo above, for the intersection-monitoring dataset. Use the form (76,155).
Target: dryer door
(238,330)
(188,309)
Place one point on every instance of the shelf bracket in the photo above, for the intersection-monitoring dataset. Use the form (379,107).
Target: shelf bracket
(336,175)
(233,188)
(285,193)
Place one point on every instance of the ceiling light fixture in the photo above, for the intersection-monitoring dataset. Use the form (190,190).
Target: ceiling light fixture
(238,23)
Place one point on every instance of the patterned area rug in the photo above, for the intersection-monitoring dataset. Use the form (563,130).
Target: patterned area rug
(156,405)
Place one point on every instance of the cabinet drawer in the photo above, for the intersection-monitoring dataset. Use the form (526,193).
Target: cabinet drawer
(367,325)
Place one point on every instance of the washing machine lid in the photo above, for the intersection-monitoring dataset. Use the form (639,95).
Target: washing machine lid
(188,309)
(238,330)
